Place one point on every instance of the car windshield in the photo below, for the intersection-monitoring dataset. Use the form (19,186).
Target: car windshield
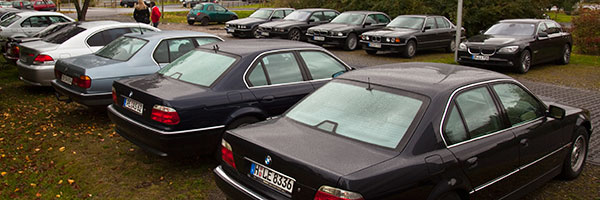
(10,20)
(262,14)
(63,34)
(522,29)
(407,22)
(122,48)
(198,67)
(51,29)
(298,16)
(5,3)
(374,116)
(349,18)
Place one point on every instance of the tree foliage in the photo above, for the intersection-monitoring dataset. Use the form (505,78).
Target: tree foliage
(586,34)
(477,15)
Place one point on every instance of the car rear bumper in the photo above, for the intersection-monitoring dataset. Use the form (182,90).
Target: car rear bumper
(497,60)
(233,188)
(97,99)
(9,57)
(165,143)
(39,75)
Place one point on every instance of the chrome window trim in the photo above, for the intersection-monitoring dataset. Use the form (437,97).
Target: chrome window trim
(290,50)
(178,37)
(451,98)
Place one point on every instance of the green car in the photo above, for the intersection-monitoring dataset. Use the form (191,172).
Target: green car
(209,12)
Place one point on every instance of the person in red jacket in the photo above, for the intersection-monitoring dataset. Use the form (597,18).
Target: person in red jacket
(155,14)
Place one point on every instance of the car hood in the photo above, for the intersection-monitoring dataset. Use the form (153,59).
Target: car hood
(247,21)
(282,23)
(496,40)
(334,27)
(391,32)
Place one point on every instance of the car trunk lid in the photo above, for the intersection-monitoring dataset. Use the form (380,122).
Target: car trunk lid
(30,50)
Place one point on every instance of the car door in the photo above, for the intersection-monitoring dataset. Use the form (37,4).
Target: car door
(278,82)
(445,32)
(538,135)
(427,38)
(321,66)
(556,42)
(211,12)
(34,24)
(541,46)
(222,13)
(475,132)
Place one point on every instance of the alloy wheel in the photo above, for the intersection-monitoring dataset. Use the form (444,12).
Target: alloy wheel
(294,35)
(567,55)
(578,153)
(525,61)
(411,49)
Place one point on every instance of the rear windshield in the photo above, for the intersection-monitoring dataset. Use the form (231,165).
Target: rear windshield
(373,116)
(198,67)
(51,29)
(10,20)
(122,48)
(63,34)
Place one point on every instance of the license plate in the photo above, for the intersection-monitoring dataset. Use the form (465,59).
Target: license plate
(133,105)
(264,33)
(191,18)
(66,79)
(481,57)
(319,38)
(230,30)
(375,45)
(272,178)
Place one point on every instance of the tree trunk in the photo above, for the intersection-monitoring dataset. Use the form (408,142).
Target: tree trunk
(81,11)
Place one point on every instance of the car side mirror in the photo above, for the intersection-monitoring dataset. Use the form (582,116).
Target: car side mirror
(367,24)
(311,20)
(542,34)
(556,112)
(426,28)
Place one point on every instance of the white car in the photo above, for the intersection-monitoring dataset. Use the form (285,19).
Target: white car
(37,58)
(26,24)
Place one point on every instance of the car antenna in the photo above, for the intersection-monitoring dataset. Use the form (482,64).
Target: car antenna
(216,48)
(369,88)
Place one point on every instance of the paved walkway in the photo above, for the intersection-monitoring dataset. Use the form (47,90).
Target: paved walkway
(575,97)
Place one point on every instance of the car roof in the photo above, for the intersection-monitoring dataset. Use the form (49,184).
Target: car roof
(276,9)
(364,12)
(38,13)
(316,9)
(150,35)
(420,16)
(250,46)
(429,79)
(532,21)
(91,24)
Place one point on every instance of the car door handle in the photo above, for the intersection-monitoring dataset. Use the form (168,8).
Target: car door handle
(524,142)
(268,99)
(472,162)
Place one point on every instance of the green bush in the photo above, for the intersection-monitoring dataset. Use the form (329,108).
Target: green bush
(586,32)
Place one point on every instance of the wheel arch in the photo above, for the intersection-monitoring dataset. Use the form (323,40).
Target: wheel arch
(246,112)
(459,185)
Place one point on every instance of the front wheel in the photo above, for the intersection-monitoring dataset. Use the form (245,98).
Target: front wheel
(255,32)
(524,63)
(351,42)
(410,50)
(204,21)
(575,160)
(294,34)
(451,47)
(566,55)
(190,22)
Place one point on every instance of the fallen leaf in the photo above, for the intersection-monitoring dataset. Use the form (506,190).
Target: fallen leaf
(132,149)
(58,196)
(16,189)
(61,149)
(32,184)
(71,181)
(60,182)
(3,173)
(38,194)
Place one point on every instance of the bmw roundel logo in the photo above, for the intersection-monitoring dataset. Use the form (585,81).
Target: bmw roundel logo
(130,93)
(268,160)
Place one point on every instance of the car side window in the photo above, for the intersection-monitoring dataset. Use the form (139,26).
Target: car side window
(35,22)
(479,112)
(257,77)
(321,65)
(441,22)
(382,19)
(430,23)
(278,14)
(454,129)
(287,12)
(329,15)
(282,68)
(371,19)
(112,34)
(161,53)
(219,8)
(210,8)
(179,47)
(56,19)
(206,40)
(137,30)
(317,16)
(552,28)
(520,106)
(542,28)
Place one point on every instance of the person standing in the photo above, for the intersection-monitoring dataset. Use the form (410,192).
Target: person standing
(141,13)
(155,14)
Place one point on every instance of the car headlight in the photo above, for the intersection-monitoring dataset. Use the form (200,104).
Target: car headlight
(462,46)
(340,34)
(243,27)
(508,49)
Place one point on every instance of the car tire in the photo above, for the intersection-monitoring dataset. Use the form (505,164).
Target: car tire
(351,42)
(243,121)
(294,34)
(566,55)
(451,47)
(190,22)
(575,160)
(449,196)
(371,52)
(410,49)
(255,33)
(524,62)
(204,21)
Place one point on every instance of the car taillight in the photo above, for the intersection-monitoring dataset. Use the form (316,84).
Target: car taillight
(14,50)
(57,74)
(331,193)
(227,153)
(165,115)
(42,58)
(82,81)
(198,14)
(114,95)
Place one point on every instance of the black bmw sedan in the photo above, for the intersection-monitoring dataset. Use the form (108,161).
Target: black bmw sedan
(295,25)
(518,43)
(407,131)
(408,33)
(344,29)
(185,107)
(247,27)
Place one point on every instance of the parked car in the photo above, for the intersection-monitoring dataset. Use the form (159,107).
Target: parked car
(37,58)
(247,27)
(186,106)
(209,12)
(132,55)
(7,12)
(22,5)
(409,131)
(5,4)
(27,24)
(44,5)
(131,3)
(11,48)
(408,33)
(295,25)
(343,31)
(518,43)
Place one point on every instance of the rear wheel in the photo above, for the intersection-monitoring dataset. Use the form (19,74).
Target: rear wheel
(449,196)
(294,34)
(243,121)
(371,52)
(410,49)
(566,55)
(451,47)
(204,21)
(575,160)
(351,42)
(524,63)
(190,22)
